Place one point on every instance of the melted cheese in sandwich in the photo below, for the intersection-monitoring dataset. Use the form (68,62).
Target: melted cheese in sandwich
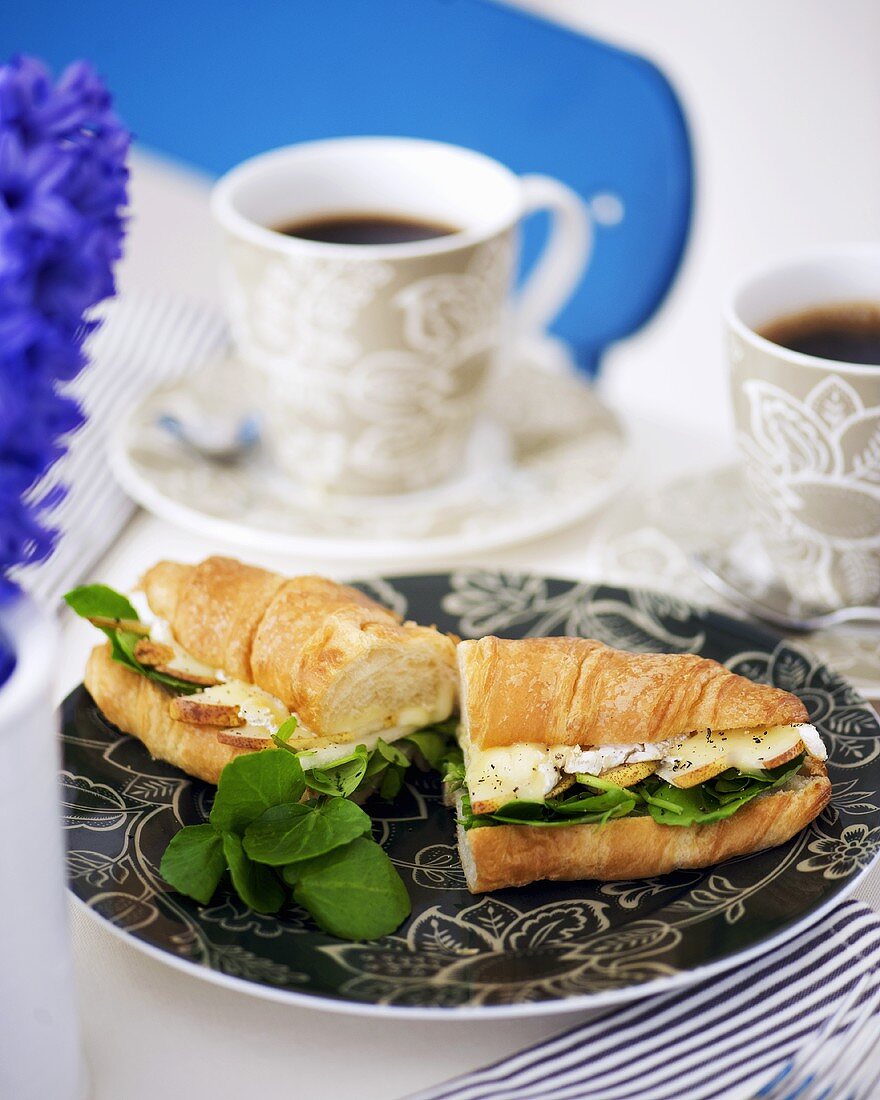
(529,771)
(263,713)
(260,710)
(327,751)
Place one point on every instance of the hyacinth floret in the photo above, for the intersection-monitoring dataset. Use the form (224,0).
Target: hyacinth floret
(63,192)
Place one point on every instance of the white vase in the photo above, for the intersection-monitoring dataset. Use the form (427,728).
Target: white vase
(40,1053)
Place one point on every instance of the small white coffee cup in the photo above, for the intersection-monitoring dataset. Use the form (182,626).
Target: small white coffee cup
(809,429)
(377,355)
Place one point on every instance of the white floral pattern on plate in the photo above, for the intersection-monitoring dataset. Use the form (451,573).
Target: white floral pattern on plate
(550,944)
(562,949)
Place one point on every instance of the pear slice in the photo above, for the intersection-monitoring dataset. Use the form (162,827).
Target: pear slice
(627,775)
(163,658)
(698,759)
(132,626)
(774,746)
(245,739)
(708,753)
(565,781)
(187,676)
(152,654)
(190,709)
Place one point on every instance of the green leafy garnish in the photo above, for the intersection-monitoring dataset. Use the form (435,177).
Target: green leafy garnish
(250,784)
(98,601)
(286,730)
(194,862)
(93,601)
(254,883)
(386,769)
(383,768)
(433,743)
(296,831)
(714,800)
(352,892)
(258,825)
(341,778)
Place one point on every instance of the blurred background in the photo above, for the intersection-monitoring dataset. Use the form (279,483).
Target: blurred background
(782,101)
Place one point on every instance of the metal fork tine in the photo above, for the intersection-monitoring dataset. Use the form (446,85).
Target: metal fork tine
(856,1044)
(871,1086)
(844,1057)
(865,1085)
(793,1075)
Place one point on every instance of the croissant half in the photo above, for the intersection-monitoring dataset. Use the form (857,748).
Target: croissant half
(347,667)
(545,698)
(341,662)
(637,847)
(140,707)
(575,691)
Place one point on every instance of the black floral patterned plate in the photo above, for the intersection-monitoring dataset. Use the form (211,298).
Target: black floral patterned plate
(548,947)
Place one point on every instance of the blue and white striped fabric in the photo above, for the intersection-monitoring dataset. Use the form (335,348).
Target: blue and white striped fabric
(145,342)
(720,1038)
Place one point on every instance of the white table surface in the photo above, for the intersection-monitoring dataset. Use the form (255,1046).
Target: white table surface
(152,1031)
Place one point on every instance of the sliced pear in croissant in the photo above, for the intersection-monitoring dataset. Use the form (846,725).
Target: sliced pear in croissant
(627,775)
(187,708)
(131,626)
(173,662)
(704,755)
(248,738)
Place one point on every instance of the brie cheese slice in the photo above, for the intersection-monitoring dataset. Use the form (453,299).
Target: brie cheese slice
(529,771)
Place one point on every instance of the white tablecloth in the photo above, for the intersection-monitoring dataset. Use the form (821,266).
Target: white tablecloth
(152,1031)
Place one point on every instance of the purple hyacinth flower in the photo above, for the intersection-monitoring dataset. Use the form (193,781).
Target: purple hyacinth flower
(63,190)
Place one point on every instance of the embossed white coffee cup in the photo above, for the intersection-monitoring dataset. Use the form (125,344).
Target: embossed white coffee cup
(377,356)
(809,430)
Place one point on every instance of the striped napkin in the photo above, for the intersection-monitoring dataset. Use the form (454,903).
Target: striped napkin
(144,342)
(722,1037)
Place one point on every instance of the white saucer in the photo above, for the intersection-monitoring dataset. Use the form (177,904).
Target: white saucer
(646,540)
(550,454)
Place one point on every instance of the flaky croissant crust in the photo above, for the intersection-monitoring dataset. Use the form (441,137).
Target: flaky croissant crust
(331,654)
(576,691)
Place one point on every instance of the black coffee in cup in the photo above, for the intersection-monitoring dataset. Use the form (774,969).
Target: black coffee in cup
(365,229)
(847,332)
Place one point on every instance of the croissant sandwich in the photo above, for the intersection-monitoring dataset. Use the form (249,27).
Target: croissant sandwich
(581,761)
(222,655)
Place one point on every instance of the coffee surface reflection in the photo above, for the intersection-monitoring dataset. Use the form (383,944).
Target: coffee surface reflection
(365,228)
(847,332)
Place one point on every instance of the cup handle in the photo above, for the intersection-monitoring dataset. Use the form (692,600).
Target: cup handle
(566,255)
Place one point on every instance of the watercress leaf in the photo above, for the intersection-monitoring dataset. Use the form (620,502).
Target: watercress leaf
(432,744)
(702,804)
(392,782)
(194,862)
(254,883)
(523,811)
(91,600)
(250,784)
(353,892)
(286,730)
(607,800)
(97,600)
(122,646)
(391,753)
(599,784)
(297,831)
(551,819)
(448,729)
(342,777)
